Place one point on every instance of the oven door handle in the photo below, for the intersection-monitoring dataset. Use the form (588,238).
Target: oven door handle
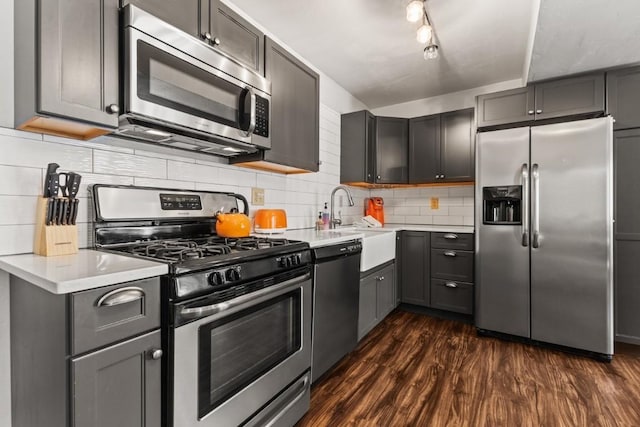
(190,313)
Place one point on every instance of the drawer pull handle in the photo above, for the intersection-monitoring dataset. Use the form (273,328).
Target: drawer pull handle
(120,296)
(451,236)
(450,253)
(451,285)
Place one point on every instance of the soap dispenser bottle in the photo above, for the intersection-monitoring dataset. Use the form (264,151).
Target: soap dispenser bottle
(325,216)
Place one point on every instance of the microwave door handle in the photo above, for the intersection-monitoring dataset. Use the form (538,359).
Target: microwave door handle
(252,111)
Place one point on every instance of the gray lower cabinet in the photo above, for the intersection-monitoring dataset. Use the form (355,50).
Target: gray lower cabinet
(377,297)
(623,97)
(627,235)
(414,262)
(574,96)
(119,385)
(86,359)
(238,38)
(452,272)
(295,115)
(436,270)
(66,75)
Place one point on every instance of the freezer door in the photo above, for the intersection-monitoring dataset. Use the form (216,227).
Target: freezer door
(502,252)
(572,231)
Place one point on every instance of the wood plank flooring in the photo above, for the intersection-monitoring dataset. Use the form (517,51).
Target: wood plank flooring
(415,370)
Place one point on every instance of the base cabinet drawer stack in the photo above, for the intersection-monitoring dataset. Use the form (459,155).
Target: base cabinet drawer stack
(377,297)
(436,270)
(86,359)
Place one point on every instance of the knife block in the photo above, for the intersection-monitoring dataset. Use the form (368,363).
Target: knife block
(52,240)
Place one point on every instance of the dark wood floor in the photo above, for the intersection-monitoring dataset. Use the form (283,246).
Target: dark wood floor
(415,370)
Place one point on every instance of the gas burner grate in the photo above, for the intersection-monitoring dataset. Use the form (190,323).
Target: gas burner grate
(215,249)
(253,243)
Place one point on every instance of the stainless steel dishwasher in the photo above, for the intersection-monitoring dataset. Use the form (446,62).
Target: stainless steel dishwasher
(336,289)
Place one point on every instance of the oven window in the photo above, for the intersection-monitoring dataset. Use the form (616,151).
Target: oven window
(236,350)
(169,81)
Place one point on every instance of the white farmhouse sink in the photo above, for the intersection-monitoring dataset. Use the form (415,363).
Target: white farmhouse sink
(378,247)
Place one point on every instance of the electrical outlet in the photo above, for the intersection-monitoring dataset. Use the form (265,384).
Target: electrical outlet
(435,203)
(257,196)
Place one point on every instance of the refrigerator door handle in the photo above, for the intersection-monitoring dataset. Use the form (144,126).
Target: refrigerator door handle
(525,204)
(535,208)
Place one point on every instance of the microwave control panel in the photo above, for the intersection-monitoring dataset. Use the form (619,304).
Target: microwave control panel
(262,117)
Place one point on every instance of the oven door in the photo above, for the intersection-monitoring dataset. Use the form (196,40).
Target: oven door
(165,84)
(241,354)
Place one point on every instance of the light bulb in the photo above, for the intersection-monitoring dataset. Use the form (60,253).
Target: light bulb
(431,51)
(415,10)
(424,34)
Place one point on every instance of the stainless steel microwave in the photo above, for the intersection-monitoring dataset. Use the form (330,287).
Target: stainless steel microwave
(183,93)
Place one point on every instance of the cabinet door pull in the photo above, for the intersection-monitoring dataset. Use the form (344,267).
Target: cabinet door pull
(120,296)
(450,253)
(531,112)
(155,354)
(451,236)
(451,285)
(538,111)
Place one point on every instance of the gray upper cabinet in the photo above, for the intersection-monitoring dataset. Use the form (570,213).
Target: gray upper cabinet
(357,153)
(295,115)
(457,146)
(574,96)
(570,97)
(67,68)
(191,16)
(441,148)
(623,97)
(424,149)
(119,385)
(392,150)
(238,38)
(509,106)
(374,150)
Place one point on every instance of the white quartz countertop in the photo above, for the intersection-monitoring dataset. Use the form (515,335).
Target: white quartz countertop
(324,237)
(433,228)
(87,269)
(317,238)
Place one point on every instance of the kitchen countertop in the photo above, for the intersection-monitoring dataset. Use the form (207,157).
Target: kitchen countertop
(317,238)
(87,269)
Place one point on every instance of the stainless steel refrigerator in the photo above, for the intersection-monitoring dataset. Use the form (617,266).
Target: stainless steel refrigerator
(544,232)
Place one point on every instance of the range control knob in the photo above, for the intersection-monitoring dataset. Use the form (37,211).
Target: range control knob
(233,275)
(216,278)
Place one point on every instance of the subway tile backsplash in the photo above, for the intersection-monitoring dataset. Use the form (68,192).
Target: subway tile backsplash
(25,156)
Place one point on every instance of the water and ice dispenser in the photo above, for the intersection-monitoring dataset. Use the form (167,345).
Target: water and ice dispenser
(502,205)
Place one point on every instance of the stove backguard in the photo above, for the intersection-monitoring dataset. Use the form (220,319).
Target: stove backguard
(502,205)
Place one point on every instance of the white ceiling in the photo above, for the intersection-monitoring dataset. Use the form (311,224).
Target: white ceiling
(583,35)
(369,48)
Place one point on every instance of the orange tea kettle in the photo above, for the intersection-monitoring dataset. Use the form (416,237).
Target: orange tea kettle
(234,224)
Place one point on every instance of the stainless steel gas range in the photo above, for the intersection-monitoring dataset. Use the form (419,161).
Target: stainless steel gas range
(236,312)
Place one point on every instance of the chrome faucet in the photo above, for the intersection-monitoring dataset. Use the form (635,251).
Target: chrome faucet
(333,221)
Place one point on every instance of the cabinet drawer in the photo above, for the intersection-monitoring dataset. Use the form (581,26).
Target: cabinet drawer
(452,296)
(109,314)
(460,241)
(450,264)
